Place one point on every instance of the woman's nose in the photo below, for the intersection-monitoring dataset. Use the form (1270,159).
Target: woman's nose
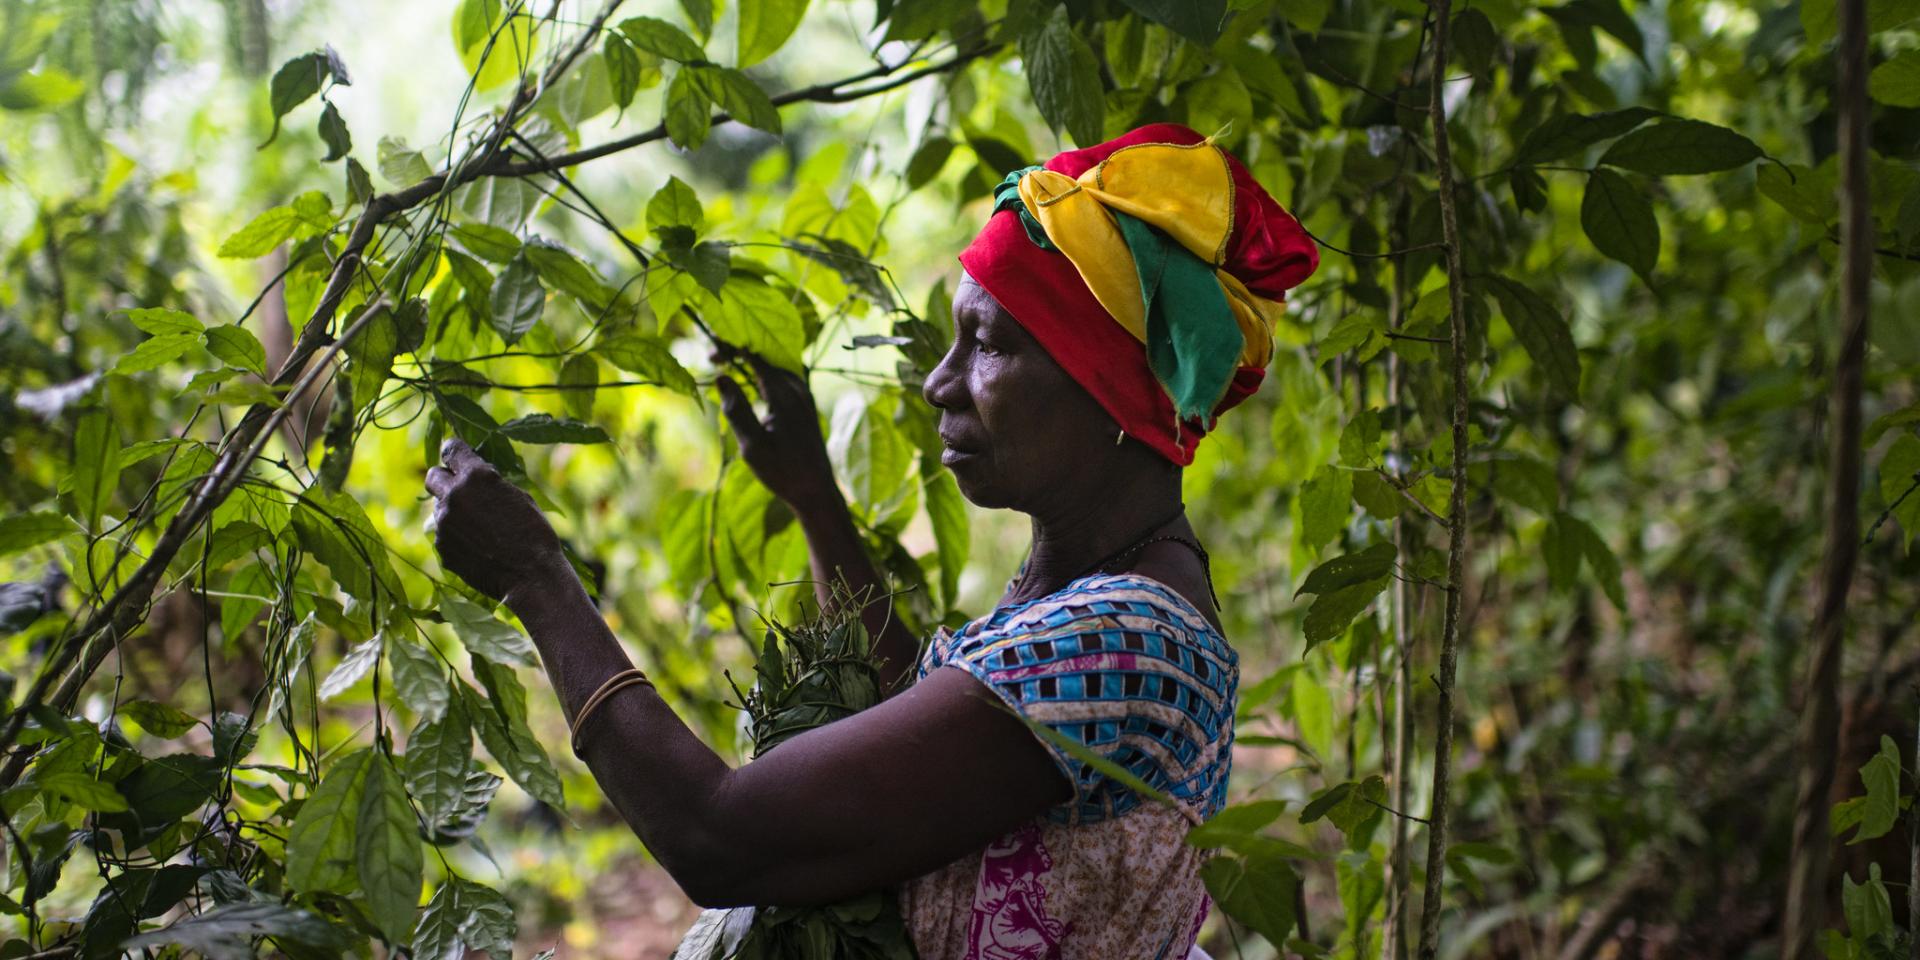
(943,388)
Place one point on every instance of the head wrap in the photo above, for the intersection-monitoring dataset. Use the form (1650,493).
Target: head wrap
(1151,268)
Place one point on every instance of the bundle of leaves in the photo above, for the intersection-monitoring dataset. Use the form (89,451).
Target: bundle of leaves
(808,676)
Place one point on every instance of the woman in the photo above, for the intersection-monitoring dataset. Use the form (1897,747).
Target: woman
(1119,298)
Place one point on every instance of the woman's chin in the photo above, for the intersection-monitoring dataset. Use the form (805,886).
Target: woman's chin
(970,473)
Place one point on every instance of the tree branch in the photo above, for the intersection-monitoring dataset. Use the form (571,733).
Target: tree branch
(1457,512)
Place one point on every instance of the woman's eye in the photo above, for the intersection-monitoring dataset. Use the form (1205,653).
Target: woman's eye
(987,348)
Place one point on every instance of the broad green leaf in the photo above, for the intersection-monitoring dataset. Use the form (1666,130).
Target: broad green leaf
(1567,133)
(546,428)
(156,351)
(580,378)
(1333,612)
(437,935)
(372,352)
(1064,76)
(927,161)
(1896,82)
(438,755)
(737,94)
(1681,147)
(1881,774)
(96,464)
(22,530)
(765,25)
(334,133)
(947,511)
(870,453)
(1618,218)
(246,393)
(387,851)
(1256,891)
(1196,20)
(1475,40)
(83,791)
(418,679)
(238,346)
(1805,192)
(231,930)
(649,358)
(1527,482)
(334,528)
(1600,559)
(1376,496)
(1349,569)
(684,539)
(43,89)
(762,319)
(662,39)
(1312,709)
(265,232)
(160,321)
(687,111)
(675,205)
(1899,475)
(464,915)
(484,635)
(357,663)
(502,725)
(1234,821)
(158,719)
(495,53)
(402,165)
(560,270)
(486,242)
(320,848)
(1868,909)
(1325,502)
(623,69)
(298,80)
(359,184)
(1542,331)
(517,299)
(921,19)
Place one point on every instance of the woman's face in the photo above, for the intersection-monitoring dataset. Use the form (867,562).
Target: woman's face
(1018,431)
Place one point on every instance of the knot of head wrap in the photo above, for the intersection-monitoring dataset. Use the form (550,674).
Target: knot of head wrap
(1176,247)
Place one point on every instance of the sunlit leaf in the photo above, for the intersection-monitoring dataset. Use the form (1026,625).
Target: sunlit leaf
(765,25)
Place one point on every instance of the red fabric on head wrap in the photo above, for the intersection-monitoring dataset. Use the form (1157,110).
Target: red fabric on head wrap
(1268,251)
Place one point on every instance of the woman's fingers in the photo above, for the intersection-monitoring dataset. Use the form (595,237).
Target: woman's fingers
(439,481)
(460,458)
(738,411)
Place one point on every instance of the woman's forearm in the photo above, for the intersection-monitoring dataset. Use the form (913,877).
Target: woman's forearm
(834,550)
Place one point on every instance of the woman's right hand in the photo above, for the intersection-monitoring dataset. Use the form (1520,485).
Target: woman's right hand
(784,448)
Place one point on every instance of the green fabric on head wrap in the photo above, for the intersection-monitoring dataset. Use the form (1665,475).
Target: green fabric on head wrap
(1193,341)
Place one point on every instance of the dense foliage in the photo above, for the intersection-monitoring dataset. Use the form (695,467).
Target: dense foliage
(246,295)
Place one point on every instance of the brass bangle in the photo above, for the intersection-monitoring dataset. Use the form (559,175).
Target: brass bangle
(620,681)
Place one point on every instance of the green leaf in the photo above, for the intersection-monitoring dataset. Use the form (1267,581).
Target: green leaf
(623,69)
(359,185)
(1868,909)
(765,25)
(158,719)
(1475,40)
(464,913)
(387,852)
(1324,505)
(1347,806)
(1196,20)
(22,530)
(155,352)
(517,299)
(372,353)
(486,242)
(675,205)
(1568,133)
(502,725)
(560,270)
(1333,612)
(546,428)
(259,237)
(737,94)
(1064,76)
(1896,82)
(762,319)
(357,663)
(662,39)
(1881,774)
(871,454)
(334,133)
(1349,569)
(320,848)
(438,756)
(334,528)
(418,679)
(238,346)
(161,321)
(83,791)
(485,636)
(581,376)
(402,165)
(649,358)
(927,161)
(947,511)
(1235,821)
(1542,331)
(230,931)
(1618,218)
(1681,147)
(293,84)
(1256,891)
(1899,472)
(43,89)
(96,464)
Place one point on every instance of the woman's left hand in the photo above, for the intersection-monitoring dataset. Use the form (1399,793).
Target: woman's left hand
(487,530)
